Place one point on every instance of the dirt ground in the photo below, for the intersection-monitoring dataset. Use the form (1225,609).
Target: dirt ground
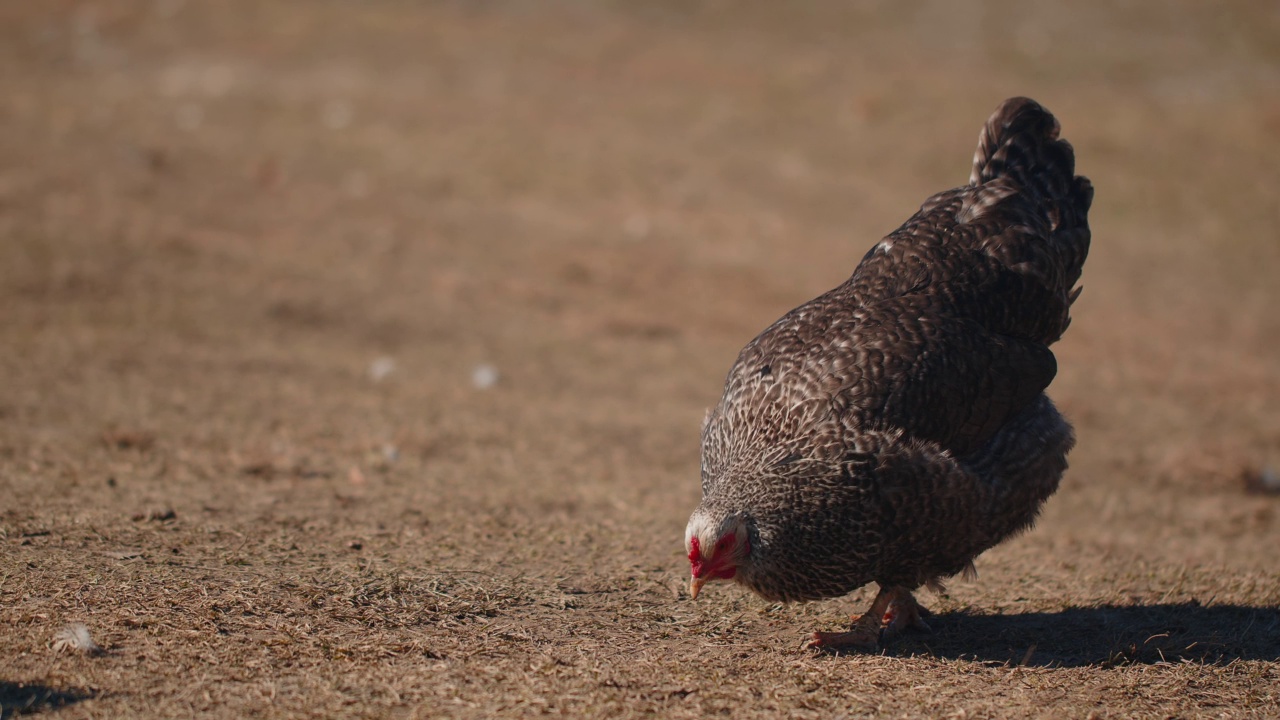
(354,354)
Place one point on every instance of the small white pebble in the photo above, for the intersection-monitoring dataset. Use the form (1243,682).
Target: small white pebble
(390,453)
(484,376)
(382,367)
(75,638)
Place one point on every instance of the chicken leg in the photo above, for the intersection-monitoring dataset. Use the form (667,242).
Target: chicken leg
(894,610)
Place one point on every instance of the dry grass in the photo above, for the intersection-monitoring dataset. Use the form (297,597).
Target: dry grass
(216,220)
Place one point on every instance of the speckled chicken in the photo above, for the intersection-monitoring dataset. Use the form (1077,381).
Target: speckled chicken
(896,427)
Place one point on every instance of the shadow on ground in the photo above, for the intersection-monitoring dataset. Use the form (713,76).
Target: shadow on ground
(24,698)
(1104,636)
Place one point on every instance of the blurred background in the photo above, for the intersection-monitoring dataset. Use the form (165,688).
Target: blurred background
(464,276)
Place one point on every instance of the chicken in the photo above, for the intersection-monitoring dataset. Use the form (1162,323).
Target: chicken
(894,428)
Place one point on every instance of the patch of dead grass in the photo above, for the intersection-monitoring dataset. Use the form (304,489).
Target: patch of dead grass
(214,219)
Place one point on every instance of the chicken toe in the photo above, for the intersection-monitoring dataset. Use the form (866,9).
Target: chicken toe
(904,613)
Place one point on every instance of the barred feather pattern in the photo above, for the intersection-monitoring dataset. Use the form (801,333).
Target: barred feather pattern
(895,427)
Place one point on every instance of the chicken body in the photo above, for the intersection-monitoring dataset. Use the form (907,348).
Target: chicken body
(895,427)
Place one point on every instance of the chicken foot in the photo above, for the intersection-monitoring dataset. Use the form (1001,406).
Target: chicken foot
(894,610)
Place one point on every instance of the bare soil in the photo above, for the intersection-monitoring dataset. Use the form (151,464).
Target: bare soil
(261,262)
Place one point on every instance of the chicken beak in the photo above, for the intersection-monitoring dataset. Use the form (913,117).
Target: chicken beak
(695,586)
